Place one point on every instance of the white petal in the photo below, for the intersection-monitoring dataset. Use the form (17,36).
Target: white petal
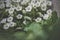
(3,20)
(19,16)
(6,26)
(10,19)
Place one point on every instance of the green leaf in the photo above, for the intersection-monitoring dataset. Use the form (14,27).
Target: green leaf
(36,28)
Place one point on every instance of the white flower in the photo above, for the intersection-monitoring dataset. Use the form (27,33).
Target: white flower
(34,3)
(49,11)
(12,6)
(8,3)
(38,19)
(11,10)
(26,17)
(46,16)
(3,20)
(49,3)
(28,9)
(24,22)
(10,19)
(37,4)
(18,8)
(43,7)
(12,24)
(6,26)
(19,16)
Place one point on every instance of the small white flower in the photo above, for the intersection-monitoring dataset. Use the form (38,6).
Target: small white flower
(49,3)
(49,11)
(38,19)
(12,6)
(12,24)
(11,10)
(8,3)
(10,19)
(31,4)
(19,16)
(46,16)
(18,8)
(28,9)
(24,22)
(3,20)
(6,26)
(43,7)
(37,4)
(26,17)
(34,3)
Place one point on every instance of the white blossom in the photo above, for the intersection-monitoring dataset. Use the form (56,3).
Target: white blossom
(9,19)
(19,16)
(28,9)
(11,10)
(49,11)
(46,16)
(6,26)
(8,3)
(37,4)
(12,24)
(38,19)
(49,3)
(34,3)
(18,8)
(43,7)
(3,20)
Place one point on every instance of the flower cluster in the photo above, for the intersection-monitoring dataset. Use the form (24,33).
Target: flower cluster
(22,12)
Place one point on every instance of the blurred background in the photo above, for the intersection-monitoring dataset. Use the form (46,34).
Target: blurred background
(56,4)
